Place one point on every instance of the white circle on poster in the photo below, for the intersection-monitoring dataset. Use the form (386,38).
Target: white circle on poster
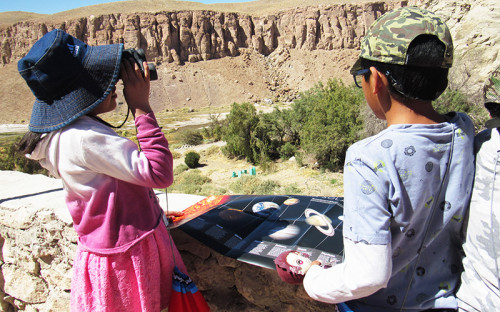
(265,208)
(288,232)
(321,222)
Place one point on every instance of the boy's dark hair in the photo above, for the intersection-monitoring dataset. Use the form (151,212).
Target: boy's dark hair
(413,81)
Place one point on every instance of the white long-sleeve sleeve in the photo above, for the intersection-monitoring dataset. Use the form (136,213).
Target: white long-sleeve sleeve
(366,269)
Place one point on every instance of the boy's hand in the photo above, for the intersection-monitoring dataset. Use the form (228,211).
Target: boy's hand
(135,86)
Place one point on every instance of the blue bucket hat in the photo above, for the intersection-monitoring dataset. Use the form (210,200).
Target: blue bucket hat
(68,78)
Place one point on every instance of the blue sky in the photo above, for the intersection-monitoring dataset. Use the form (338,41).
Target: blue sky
(54,6)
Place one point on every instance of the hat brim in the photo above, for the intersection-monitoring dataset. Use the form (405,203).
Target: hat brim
(493,123)
(356,67)
(101,69)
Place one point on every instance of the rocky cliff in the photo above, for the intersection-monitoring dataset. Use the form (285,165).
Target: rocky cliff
(209,58)
(191,36)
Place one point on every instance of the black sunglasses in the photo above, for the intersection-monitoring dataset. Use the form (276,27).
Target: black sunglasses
(358,76)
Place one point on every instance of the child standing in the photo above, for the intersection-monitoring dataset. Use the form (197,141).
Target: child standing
(480,287)
(407,188)
(124,260)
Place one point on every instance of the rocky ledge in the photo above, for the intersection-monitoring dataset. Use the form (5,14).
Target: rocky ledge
(38,242)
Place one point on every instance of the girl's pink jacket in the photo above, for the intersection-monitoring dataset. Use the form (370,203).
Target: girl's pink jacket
(108,181)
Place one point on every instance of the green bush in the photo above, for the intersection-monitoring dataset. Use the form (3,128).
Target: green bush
(287,150)
(332,121)
(192,159)
(250,185)
(190,182)
(11,159)
(456,101)
(260,137)
(215,129)
(192,137)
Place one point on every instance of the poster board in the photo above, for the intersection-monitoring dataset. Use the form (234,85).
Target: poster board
(257,228)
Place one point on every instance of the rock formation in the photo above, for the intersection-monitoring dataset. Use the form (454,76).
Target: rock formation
(208,58)
(475,29)
(191,36)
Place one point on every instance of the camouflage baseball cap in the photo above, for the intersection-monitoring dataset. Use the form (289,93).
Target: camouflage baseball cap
(492,99)
(389,37)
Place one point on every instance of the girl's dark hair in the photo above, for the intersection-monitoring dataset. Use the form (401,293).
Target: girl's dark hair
(30,139)
(28,142)
(422,78)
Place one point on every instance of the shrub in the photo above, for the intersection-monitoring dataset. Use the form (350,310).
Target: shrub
(212,150)
(192,159)
(332,121)
(287,150)
(192,137)
(250,185)
(175,155)
(215,129)
(190,182)
(259,137)
(292,189)
(180,169)
(456,101)
(11,159)
(451,101)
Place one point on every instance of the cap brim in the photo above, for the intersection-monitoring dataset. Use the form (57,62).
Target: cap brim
(356,67)
(493,123)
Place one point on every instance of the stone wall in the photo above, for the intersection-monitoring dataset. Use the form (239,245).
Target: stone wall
(38,242)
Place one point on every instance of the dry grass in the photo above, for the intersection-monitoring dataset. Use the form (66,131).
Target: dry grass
(286,178)
(7,18)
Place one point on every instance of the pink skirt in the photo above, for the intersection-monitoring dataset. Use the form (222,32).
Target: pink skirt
(139,279)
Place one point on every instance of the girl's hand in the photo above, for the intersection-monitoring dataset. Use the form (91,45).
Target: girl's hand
(173,215)
(135,86)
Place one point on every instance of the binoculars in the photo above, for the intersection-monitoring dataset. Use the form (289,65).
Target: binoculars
(139,57)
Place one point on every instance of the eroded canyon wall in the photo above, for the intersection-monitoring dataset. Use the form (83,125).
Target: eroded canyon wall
(190,36)
(275,56)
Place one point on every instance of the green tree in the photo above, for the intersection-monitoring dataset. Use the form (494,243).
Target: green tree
(242,122)
(332,121)
(215,128)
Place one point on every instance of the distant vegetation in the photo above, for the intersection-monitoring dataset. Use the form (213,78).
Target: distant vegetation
(317,129)
(11,159)
(456,101)
(192,159)
(320,125)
